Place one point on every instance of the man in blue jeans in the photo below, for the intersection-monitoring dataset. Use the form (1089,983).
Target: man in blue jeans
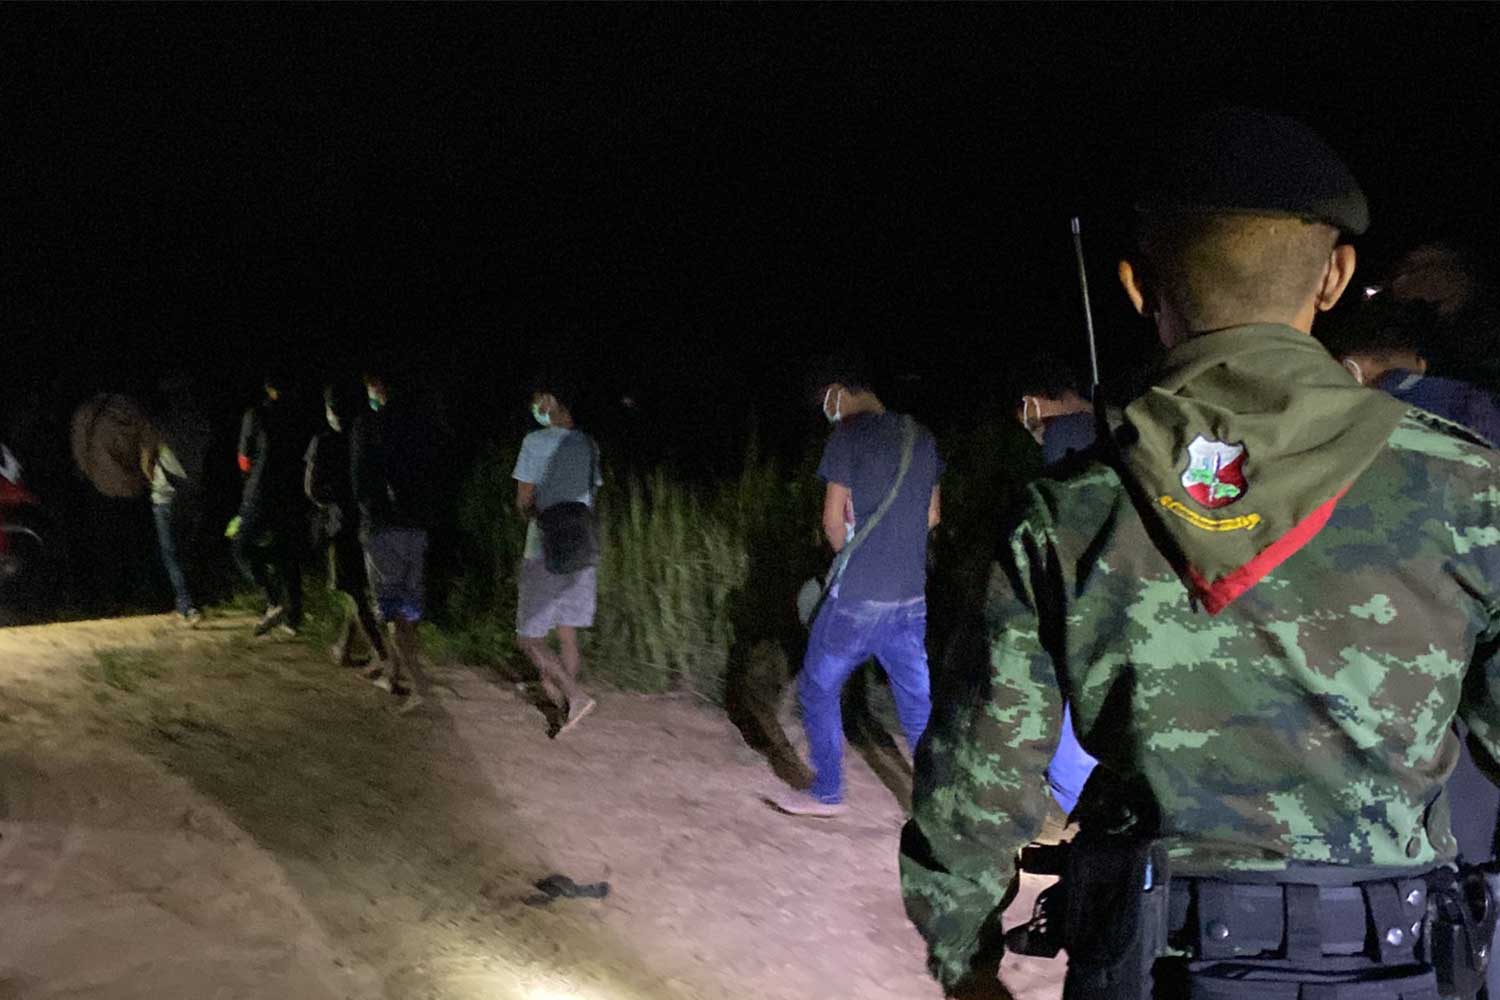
(877,606)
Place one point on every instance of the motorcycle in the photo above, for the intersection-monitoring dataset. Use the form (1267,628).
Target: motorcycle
(27,572)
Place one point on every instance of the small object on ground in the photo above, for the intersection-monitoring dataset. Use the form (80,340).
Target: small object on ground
(192,617)
(559,886)
(795,803)
(341,657)
(576,714)
(410,703)
(273,617)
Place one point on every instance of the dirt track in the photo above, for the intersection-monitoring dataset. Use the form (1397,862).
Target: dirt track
(190,815)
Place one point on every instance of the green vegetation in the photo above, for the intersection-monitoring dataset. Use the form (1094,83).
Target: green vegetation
(122,669)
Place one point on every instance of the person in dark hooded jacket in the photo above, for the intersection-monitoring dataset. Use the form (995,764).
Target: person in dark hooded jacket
(267,532)
(329,484)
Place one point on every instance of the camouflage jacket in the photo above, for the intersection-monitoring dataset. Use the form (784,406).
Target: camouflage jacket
(1308,722)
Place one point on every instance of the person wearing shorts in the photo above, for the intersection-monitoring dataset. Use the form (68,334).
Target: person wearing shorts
(558,464)
(393,471)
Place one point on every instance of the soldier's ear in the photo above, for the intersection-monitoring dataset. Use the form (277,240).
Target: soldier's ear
(1135,287)
(1340,272)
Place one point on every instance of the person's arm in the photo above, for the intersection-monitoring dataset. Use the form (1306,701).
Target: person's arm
(527,473)
(363,463)
(248,431)
(1479,701)
(980,794)
(148,462)
(835,502)
(935,508)
(526,500)
(309,465)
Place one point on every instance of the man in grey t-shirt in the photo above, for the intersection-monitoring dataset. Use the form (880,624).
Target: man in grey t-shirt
(557,464)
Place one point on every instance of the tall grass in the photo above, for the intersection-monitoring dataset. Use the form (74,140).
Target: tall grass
(671,566)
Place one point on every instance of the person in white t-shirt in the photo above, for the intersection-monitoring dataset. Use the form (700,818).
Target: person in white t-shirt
(558,464)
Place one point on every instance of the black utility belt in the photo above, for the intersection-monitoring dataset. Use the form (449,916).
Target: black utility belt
(1386,920)
(1118,909)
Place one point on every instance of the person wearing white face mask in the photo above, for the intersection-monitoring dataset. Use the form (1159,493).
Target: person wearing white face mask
(1053,410)
(1383,344)
(328,484)
(395,456)
(557,479)
(881,497)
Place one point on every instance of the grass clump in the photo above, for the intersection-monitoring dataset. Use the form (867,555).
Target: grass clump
(122,669)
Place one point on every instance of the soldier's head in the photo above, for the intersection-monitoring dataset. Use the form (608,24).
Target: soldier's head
(1239,221)
(1381,336)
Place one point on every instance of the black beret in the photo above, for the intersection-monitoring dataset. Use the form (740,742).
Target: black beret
(1243,160)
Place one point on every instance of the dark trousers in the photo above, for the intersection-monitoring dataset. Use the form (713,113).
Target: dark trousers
(346,575)
(167,527)
(270,558)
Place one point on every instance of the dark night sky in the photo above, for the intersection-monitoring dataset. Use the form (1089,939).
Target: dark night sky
(689,199)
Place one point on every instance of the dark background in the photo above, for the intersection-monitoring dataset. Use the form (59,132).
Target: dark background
(682,204)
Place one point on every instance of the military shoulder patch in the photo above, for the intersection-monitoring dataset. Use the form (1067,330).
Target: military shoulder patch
(1215,473)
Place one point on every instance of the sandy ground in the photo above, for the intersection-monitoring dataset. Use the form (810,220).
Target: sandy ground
(192,814)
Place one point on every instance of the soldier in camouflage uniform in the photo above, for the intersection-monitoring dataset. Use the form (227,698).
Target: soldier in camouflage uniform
(1261,602)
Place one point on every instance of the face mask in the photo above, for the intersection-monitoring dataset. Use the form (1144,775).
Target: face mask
(375,403)
(838,402)
(332,418)
(1355,370)
(1033,426)
(541,416)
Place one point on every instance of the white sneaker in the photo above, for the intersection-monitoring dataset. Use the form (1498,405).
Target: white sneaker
(410,703)
(576,714)
(383,682)
(801,804)
(274,616)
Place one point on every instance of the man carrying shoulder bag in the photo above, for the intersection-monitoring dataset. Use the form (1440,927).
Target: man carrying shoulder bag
(557,478)
(881,498)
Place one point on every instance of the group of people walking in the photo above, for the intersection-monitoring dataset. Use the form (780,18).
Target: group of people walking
(368,474)
(371,473)
(1244,629)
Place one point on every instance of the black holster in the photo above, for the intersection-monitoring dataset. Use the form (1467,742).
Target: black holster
(1110,911)
(1115,920)
(1462,916)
